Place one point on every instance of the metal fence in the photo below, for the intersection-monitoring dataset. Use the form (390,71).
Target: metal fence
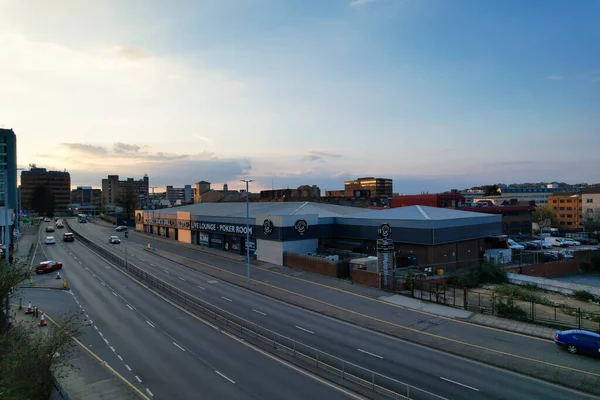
(558,316)
(304,355)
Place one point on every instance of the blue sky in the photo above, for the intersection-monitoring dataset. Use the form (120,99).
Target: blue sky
(436,94)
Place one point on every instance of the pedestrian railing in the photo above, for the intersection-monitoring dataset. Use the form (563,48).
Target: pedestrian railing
(272,341)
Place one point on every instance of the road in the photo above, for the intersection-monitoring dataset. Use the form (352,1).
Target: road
(445,375)
(162,348)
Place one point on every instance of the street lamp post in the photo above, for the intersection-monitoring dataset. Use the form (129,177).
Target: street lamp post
(247,229)
(153,222)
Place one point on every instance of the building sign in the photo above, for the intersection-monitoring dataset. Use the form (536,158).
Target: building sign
(183,224)
(268,227)
(203,238)
(301,227)
(385,231)
(250,246)
(216,241)
(161,222)
(235,229)
(385,258)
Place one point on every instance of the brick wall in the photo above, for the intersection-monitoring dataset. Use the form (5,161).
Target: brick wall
(366,278)
(551,268)
(315,265)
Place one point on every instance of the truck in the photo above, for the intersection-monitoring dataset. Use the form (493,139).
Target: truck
(498,256)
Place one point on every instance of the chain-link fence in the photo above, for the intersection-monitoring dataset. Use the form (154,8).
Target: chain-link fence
(292,350)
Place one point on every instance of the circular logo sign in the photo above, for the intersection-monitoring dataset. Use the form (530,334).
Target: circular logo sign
(301,226)
(385,231)
(267,227)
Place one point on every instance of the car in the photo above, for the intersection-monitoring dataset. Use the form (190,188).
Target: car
(59,225)
(565,255)
(50,240)
(578,341)
(514,245)
(533,245)
(114,240)
(68,237)
(46,219)
(550,257)
(48,266)
(571,242)
(121,228)
(49,229)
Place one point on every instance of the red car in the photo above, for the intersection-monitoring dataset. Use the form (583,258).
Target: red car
(48,266)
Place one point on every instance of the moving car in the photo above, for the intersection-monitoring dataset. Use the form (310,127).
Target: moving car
(59,224)
(121,228)
(578,341)
(49,229)
(68,237)
(48,266)
(50,240)
(114,240)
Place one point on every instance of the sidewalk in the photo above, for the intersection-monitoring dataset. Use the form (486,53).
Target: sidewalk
(83,377)
(401,300)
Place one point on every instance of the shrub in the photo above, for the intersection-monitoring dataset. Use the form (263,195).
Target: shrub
(509,309)
(480,274)
(521,293)
(583,295)
(408,281)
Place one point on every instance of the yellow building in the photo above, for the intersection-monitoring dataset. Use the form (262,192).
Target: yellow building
(569,211)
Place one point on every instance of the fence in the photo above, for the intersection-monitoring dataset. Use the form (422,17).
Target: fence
(297,352)
(558,316)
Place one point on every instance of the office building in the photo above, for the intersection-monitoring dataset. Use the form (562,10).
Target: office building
(85,195)
(178,196)
(368,188)
(8,176)
(114,189)
(59,183)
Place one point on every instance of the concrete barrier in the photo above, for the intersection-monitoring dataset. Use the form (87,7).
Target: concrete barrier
(552,285)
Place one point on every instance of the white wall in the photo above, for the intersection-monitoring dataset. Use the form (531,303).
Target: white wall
(551,284)
(269,251)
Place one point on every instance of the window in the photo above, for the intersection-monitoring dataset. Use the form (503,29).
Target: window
(562,209)
(569,201)
(562,215)
(569,215)
(589,200)
(562,222)
(555,201)
(569,223)
(562,201)
(569,208)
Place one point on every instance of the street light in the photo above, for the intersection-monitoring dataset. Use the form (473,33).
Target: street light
(247,229)
(153,223)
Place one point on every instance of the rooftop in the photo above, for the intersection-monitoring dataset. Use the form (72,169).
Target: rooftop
(419,213)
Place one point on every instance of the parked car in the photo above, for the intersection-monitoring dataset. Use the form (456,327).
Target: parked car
(556,242)
(50,240)
(114,240)
(565,255)
(49,229)
(571,242)
(533,245)
(121,228)
(514,245)
(68,237)
(550,257)
(578,341)
(48,266)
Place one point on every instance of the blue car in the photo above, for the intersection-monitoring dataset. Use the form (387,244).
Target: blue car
(578,341)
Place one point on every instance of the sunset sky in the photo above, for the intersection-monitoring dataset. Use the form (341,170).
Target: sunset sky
(435,94)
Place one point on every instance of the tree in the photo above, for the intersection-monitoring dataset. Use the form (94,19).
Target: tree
(544,216)
(10,277)
(491,190)
(591,221)
(128,200)
(42,200)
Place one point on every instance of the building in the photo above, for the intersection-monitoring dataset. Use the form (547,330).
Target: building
(369,187)
(9,195)
(178,196)
(517,221)
(444,200)
(590,201)
(302,193)
(540,194)
(334,193)
(59,182)
(85,195)
(424,235)
(204,194)
(114,189)
(569,210)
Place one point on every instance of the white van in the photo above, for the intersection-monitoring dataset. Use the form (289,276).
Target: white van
(556,242)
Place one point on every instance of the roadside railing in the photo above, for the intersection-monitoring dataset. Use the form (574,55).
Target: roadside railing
(306,355)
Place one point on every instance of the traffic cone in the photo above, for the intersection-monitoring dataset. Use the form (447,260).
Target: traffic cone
(57,275)
(29,308)
(42,320)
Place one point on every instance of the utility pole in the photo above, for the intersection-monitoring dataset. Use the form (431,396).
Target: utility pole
(247,230)
(153,222)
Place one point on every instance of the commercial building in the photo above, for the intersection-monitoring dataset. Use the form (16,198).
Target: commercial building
(85,195)
(302,193)
(443,200)
(369,187)
(569,210)
(423,235)
(114,189)
(8,178)
(59,182)
(517,221)
(178,196)
(590,201)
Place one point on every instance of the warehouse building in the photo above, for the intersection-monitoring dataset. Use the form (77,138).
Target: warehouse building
(421,235)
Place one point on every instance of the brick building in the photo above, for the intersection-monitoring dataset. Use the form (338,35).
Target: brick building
(58,181)
(302,193)
(444,200)
(569,210)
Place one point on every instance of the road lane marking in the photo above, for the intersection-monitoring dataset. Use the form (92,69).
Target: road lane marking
(103,284)
(94,275)
(131,308)
(149,392)
(371,354)
(113,349)
(180,348)
(200,287)
(87,316)
(152,265)
(100,333)
(116,295)
(223,376)
(181,278)
(459,384)
(166,272)
(120,358)
(225,298)
(95,327)
(128,367)
(305,330)
(105,341)
(150,323)
(138,379)
(259,312)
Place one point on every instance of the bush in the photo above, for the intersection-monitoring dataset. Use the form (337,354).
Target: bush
(583,295)
(521,293)
(509,309)
(408,281)
(480,274)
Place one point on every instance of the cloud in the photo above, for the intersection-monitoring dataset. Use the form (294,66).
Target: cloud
(120,147)
(319,156)
(85,148)
(553,78)
(360,3)
(130,53)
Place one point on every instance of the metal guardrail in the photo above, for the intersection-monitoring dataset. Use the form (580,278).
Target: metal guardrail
(274,342)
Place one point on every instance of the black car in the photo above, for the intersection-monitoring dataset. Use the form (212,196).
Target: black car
(121,228)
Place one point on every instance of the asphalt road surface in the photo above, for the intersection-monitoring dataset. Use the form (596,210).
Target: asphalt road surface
(445,375)
(160,347)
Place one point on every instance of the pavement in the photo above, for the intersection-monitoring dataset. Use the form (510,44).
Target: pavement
(325,305)
(161,349)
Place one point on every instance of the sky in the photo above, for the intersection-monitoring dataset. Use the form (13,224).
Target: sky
(434,94)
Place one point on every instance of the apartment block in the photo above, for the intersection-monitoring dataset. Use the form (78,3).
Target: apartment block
(113,189)
(569,210)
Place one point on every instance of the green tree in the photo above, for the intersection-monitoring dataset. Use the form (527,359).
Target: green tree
(10,277)
(545,216)
(42,200)
(491,190)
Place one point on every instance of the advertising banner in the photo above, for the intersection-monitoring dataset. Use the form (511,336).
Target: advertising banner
(203,238)
(236,229)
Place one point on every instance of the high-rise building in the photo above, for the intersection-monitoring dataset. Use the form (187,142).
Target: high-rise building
(113,189)
(59,182)
(8,175)
(368,187)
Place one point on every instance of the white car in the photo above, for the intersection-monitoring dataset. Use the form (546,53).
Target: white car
(50,240)
(514,245)
(571,242)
